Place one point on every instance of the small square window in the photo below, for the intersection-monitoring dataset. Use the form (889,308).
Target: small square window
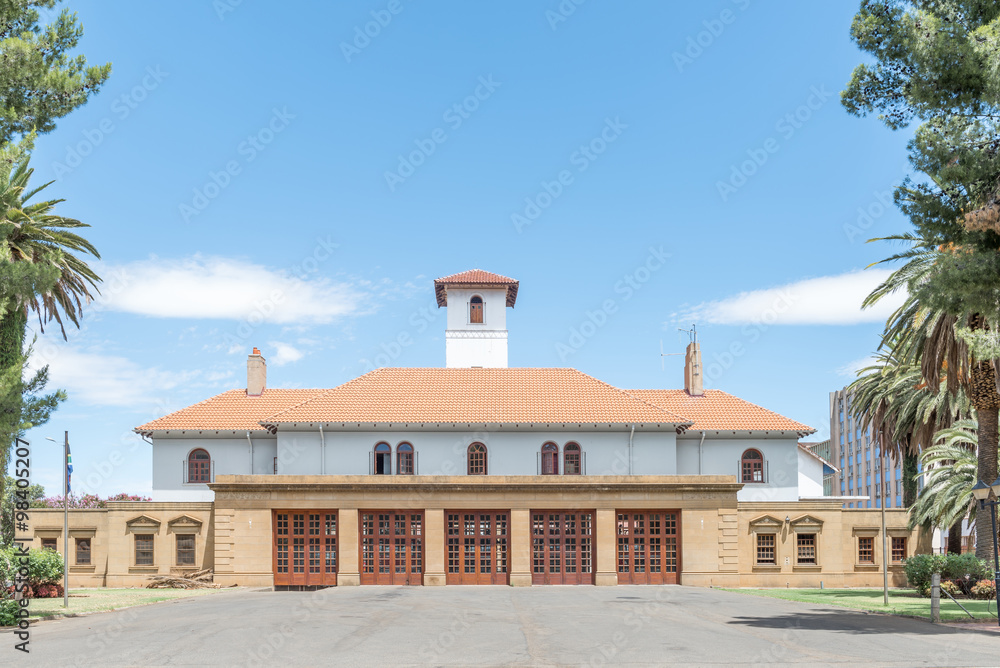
(83,551)
(866,550)
(898,549)
(806,548)
(49,544)
(765,549)
(144,549)
(185,550)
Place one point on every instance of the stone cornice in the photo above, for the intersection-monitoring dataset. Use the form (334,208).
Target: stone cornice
(528,484)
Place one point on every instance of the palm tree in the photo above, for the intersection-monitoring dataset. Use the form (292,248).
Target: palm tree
(930,338)
(950,472)
(40,272)
(902,411)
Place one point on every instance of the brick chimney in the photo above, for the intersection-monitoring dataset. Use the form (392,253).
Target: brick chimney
(692,370)
(256,374)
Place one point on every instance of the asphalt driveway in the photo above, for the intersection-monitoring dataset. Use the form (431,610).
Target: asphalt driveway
(496,626)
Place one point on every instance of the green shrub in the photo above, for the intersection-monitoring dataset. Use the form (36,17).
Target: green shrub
(8,608)
(919,569)
(965,567)
(44,566)
(951,588)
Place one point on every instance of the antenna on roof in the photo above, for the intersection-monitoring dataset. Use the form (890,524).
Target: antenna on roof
(663,354)
(692,333)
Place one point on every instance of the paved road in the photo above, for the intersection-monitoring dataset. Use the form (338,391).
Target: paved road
(496,626)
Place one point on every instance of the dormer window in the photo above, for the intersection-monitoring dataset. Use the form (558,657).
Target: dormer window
(476,310)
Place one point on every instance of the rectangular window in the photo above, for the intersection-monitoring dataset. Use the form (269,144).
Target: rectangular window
(143,549)
(185,550)
(49,544)
(82,551)
(898,549)
(806,548)
(765,549)
(866,550)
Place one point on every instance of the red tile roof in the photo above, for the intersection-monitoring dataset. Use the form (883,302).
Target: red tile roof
(508,396)
(436,395)
(229,411)
(475,278)
(719,411)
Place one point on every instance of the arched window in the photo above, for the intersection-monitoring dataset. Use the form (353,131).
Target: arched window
(476,310)
(550,459)
(404,459)
(383,459)
(199,466)
(571,459)
(477,459)
(752,466)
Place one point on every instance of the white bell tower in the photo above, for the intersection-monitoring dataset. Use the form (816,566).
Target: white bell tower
(477,304)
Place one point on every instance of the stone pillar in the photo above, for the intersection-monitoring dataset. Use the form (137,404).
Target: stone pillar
(434,547)
(606,535)
(349,548)
(520,548)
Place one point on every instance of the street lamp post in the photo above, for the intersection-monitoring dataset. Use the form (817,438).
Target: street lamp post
(65,518)
(982,493)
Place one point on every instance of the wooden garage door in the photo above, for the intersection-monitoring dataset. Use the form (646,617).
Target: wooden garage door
(562,547)
(648,547)
(392,547)
(477,543)
(304,548)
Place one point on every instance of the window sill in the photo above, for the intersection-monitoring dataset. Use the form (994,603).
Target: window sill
(767,567)
(866,567)
(807,567)
(143,569)
(82,568)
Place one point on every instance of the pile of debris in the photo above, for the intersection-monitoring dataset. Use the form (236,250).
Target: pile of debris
(197,580)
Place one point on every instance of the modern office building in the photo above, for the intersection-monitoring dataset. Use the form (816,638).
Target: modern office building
(864,470)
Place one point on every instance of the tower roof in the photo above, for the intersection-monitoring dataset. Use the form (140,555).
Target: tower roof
(475,278)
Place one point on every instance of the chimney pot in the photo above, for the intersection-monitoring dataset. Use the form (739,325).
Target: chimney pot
(256,374)
(692,370)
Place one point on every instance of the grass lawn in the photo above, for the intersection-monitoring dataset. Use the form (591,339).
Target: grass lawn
(97,600)
(901,601)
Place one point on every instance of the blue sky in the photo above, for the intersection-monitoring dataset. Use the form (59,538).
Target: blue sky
(285,181)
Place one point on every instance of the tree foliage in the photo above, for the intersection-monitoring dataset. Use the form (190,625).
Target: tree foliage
(40,81)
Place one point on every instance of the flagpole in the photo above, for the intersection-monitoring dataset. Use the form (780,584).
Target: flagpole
(66,522)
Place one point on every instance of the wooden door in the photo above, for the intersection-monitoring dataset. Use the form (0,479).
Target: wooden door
(648,547)
(477,543)
(392,547)
(304,548)
(562,547)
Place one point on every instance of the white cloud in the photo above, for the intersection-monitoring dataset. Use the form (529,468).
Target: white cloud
(218,287)
(284,353)
(107,380)
(850,370)
(827,300)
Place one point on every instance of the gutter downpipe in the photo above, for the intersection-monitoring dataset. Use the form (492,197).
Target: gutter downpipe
(322,451)
(631,433)
(701,456)
(250,441)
